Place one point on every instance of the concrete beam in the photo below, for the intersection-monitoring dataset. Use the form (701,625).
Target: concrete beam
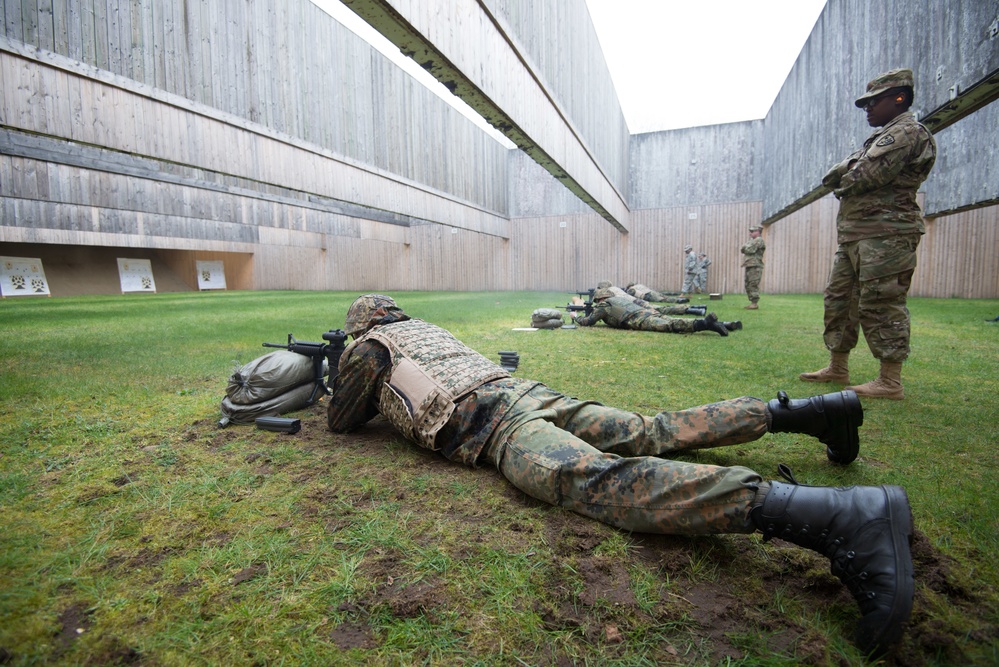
(472,54)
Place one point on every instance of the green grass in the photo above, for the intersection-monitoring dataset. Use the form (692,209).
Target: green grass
(135,532)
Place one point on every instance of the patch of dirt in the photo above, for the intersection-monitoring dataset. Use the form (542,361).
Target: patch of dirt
(350,635)
(248,573)
(73,622)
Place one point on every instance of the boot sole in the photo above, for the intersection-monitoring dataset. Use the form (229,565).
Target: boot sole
(824,380)
(853,413)
(900,515)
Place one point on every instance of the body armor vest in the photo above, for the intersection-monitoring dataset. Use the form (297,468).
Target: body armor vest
(431,370)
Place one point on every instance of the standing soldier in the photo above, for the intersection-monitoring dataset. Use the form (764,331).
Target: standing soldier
(703,262)
(878,229)
(689,270)
(753,250)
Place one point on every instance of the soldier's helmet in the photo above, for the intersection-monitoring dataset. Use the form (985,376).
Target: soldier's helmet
(688,248)
(366,311)
(604,283)
(602,293)
(895,78)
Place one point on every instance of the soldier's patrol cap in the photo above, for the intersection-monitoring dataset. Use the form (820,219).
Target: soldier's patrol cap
(895,78)
(688,248)
(756,228)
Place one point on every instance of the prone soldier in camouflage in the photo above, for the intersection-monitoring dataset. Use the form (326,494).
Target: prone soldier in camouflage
(753,250)
(879,226)
(612,465)
(628,312)
(633,290)
(648,294)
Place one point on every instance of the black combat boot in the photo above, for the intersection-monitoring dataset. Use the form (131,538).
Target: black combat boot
(832,418)
(733,326)
(710,323)
(696,310)
(683,299)
(865,532)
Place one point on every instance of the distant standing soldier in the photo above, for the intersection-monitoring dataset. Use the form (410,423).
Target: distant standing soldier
(689,270)
(703,262)
(648,294)
(878,229)
(753,250)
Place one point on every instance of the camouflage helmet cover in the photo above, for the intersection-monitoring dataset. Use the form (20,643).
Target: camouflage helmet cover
(604,283)
(602,293)
(366,311)
(896,78)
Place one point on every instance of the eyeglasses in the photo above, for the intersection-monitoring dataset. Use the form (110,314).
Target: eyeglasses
(875,100)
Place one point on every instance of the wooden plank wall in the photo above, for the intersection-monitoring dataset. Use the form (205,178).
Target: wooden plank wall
(959,256)
(956,258)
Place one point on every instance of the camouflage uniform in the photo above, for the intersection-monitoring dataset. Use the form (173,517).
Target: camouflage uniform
(703,262)
(597,461)
(689,270)
(753,250)
(646,294)
(878,229)
(622,312)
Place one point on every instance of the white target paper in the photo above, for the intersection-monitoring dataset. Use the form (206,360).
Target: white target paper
(22,276)
(136,275)
(211,274)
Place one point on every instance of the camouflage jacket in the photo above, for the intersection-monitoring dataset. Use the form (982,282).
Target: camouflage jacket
(417,388)
(753,250)
(616,312)
(877,184)
(690,263)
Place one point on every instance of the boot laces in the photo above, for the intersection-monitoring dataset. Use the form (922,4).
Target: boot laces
(843,563)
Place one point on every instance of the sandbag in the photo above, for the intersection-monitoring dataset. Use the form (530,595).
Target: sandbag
(546,318)
(269,376)
(291,400)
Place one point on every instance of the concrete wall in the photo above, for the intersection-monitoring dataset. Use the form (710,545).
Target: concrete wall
(533,71)
(278,68)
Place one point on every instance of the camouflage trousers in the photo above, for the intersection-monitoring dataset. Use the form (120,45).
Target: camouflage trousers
(753,276)
(663,324)
(671,310)
(658,297)
(689,283)
(867,289)
(608,464)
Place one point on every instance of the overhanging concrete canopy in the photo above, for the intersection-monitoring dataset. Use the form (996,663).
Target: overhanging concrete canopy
(473,55)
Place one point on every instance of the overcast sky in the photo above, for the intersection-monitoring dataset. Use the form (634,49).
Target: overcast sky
(675,63)
(683,63)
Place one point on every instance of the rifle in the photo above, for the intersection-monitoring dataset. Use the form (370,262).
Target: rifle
(586,307)
(330,351)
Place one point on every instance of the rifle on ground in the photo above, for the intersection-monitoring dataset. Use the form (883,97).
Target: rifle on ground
(329,351)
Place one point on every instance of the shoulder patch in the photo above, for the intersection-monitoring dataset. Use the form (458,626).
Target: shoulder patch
(886,140)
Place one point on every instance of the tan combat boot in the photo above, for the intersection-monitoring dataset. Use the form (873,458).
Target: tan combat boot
(751,306)
(836,371)
(888,384)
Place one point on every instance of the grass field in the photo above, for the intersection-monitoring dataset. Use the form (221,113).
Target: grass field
(134,531)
